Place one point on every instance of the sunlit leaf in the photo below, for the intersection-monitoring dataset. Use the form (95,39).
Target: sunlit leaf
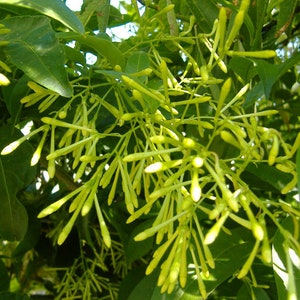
(55,9)
(34,48)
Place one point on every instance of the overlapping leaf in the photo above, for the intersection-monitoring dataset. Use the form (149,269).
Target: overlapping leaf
(34,48)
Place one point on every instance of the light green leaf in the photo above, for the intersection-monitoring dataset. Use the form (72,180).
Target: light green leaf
(34,48)
(55,9)
(138,61)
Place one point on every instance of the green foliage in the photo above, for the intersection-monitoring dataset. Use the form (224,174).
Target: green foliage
(166,169)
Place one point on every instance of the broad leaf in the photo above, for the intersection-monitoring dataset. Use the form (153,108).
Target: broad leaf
(286,264)
(15,174)
(55,9)
(135,250)
(247,293)
(138,61)
(264,177)
(205,12)
(35,50)
(13,215)
(270,73)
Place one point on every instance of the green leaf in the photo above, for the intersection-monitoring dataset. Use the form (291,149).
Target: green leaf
(138,61)
(4,278)
(135,250)
(243,67)
(206,12)
(283,257)
(15,174)
(265,177)
(102,46)
(13,296)
(298,168)
(270,73)
(55,9)
(34,48)
(285,16)
(13,215)
(227,262)
(258,293)
(145,288)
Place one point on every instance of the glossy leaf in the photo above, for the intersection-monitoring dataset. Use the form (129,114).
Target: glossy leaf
(35,50)
(55,9)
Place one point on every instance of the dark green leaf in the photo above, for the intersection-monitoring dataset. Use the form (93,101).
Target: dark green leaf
(247,293)
(265,177)
(270,73)
(15,174)
(55,9)
(285,16)
(4,278)
(298,168)
(205,12)
(135,250)
(131,280)
(35,50)
(31,237)
(13,215)
(13,296)
(243,67)
(145,288)
(280,257)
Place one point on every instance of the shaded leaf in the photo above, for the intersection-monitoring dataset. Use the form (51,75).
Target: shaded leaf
(35,50)
(265,177)
(270,73)
(135,250)
(285,16)
(245,293)
(15,174)
(4,278)
(55,9)
(13,215)
(205,12)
